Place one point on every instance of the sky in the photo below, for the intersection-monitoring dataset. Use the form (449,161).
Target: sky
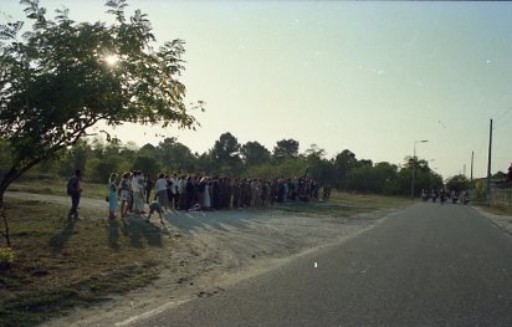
(372,77)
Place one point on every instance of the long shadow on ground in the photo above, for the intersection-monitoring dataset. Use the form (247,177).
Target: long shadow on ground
(58,240)
(136,229)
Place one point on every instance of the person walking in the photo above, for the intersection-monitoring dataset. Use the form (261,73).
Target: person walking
(74,190)
(161,191)
(112,196)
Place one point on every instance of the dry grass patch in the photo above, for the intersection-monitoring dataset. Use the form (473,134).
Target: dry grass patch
(60,263)
(345,205)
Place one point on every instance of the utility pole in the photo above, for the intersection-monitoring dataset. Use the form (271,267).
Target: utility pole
(472,161)
(489,165)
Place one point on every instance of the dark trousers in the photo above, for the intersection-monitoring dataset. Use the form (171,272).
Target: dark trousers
(148,194)
(75,201)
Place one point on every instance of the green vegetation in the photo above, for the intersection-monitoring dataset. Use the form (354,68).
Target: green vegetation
(57,187)
(59,263)
(497,209)
(345,205)
(60,77)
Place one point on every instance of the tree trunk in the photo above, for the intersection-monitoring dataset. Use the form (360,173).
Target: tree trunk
(6,234)
(7,179)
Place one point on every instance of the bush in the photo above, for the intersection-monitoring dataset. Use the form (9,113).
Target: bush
(480,190)
(6,257)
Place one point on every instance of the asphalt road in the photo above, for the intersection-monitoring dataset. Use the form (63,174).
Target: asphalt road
(429,265)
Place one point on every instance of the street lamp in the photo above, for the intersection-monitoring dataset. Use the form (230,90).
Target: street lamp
(414,165)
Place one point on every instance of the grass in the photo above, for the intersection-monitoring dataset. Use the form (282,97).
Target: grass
(57,187)
(60,263)
(496,209)
(345,204)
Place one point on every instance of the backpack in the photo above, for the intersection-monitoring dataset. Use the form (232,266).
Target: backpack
(71,187)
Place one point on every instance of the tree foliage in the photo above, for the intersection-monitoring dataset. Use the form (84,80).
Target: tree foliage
(286,148)
(226,153)
(457,183)
(63,77)
(253,153)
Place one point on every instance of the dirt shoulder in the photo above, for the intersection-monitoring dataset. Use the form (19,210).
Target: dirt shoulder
(503,221)
(211,257)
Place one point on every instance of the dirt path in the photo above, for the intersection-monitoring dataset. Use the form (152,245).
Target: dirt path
(62,200)
(215,250)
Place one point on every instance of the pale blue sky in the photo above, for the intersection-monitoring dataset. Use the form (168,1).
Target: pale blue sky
(371,77)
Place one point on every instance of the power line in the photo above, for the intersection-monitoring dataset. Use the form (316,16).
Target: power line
(503,114)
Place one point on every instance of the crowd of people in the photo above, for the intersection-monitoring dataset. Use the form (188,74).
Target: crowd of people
(443,196)
(128,193)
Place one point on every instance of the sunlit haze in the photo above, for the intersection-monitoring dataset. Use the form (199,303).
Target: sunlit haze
(371,77)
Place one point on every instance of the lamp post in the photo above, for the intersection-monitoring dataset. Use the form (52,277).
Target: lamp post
(414,165)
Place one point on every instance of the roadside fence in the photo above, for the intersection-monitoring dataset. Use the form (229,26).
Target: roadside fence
(501,197)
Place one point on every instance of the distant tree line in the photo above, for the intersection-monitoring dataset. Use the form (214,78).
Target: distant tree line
(227,157)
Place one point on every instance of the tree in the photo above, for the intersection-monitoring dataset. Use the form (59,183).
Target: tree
(226,152)
(501,176)
(147,164)
(148,149)
(286,149)
(457,183)
(5,156)
(314,152)
(174,156)
(253,153)
(343,163)
(64,77)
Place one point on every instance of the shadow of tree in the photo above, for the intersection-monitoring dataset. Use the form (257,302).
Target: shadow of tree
(58,240)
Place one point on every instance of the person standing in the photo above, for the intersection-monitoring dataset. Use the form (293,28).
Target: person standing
(123,191)
(138,189)
(74,190)
(148,187)
(173,185)
(190,191)
(112,196)
(207,194)
(130,192)
(182,192)
(236,193)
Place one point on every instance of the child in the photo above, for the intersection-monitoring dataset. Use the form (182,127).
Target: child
(155,206)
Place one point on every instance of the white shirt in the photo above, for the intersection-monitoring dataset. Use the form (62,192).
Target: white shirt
(174,185)
(160,185)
